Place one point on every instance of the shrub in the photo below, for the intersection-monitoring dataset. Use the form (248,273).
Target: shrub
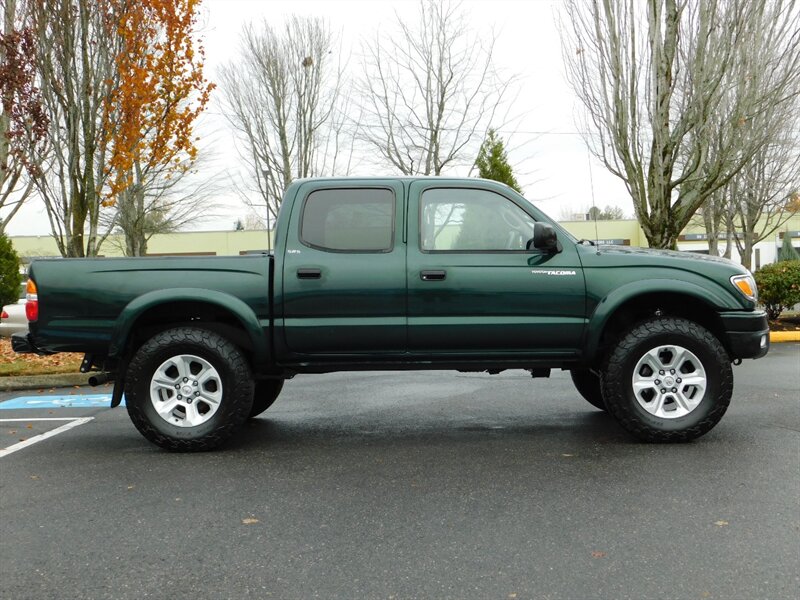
(779,286)
(10,278)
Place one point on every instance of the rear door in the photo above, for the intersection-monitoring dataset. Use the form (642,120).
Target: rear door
(474,288)
(344,287)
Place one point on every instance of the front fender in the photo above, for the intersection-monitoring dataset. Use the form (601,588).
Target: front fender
(241,311)
(615,299)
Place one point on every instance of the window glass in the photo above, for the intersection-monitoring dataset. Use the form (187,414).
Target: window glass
(463,219)
(349,220)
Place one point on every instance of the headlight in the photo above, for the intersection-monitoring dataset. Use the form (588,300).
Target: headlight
(746,285)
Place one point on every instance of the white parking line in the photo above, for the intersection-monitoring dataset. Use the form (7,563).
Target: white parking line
(48,434)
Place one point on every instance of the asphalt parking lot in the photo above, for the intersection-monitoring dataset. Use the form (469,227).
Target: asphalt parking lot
(409,485)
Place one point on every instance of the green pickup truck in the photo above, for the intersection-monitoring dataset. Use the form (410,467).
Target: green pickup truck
(402,273)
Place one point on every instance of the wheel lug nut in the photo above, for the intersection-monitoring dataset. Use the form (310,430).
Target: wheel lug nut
(663,391)
(194,383)
(177,386)
(180,397)
(678,380)
(661,372)
(188,401)
(185,379)
(672,371)
(197,393)
(674,390)
(658,382)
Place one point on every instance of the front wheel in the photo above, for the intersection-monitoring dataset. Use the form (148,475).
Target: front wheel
(667,380)
(188,389)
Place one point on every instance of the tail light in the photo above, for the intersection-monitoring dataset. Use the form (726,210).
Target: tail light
(32,304)
(4,315)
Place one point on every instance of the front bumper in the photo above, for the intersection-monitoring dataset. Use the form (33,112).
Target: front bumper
(747,333)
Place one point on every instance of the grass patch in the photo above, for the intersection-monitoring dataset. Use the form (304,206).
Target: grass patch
(13,364)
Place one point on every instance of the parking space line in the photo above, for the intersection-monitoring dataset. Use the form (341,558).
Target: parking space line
(48,434)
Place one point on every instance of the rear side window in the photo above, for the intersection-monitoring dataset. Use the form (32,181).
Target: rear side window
(349,220)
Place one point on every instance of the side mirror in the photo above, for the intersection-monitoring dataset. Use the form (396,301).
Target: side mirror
(544,239)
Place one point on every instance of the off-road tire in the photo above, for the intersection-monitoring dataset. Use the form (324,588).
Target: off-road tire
(266,392)
(588,386)
(237,389)
(618,368)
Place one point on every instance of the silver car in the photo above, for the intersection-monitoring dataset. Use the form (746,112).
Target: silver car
(13,319)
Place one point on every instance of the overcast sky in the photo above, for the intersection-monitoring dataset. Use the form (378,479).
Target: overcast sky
(550,159)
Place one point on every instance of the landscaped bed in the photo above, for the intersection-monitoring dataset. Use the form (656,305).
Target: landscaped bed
(787,322)
(13,364)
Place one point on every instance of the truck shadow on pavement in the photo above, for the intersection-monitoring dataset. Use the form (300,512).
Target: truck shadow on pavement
(584,430)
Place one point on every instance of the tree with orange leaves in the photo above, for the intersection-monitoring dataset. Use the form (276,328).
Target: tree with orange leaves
(121,84)
(150,117)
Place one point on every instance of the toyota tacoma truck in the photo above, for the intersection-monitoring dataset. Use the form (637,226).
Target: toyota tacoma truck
(402,273)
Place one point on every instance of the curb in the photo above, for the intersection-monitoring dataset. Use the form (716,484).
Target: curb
(784,336)
(12,383)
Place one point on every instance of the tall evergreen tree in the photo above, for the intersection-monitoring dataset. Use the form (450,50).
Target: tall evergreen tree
(10,278)
(787,251)
(492,161)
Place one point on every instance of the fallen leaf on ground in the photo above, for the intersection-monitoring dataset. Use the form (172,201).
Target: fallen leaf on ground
(598,554)
(249,521)
(721,523)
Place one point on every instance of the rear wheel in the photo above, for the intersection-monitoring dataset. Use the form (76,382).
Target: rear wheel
(188,389)
(588,386)
(668,380)
(266,392)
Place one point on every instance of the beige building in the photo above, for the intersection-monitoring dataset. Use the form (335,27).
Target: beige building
(624,232)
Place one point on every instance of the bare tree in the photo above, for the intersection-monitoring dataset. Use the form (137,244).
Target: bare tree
(760,194)
(716,215)
(430,92)
(653,80)
(76,48)
(23,125)
(752,205)
(160,200)
(282,97)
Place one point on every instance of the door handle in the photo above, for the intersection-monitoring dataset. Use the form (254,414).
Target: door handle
(433,275)
(305,273)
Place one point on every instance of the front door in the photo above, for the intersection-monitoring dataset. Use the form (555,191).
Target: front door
(473,286)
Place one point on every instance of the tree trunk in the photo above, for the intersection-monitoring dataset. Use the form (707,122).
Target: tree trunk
(712,228)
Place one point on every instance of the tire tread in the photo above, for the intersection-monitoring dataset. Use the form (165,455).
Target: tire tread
(161,342)
(614,367)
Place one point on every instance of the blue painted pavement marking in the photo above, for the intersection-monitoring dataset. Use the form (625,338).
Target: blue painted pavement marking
(76,401)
